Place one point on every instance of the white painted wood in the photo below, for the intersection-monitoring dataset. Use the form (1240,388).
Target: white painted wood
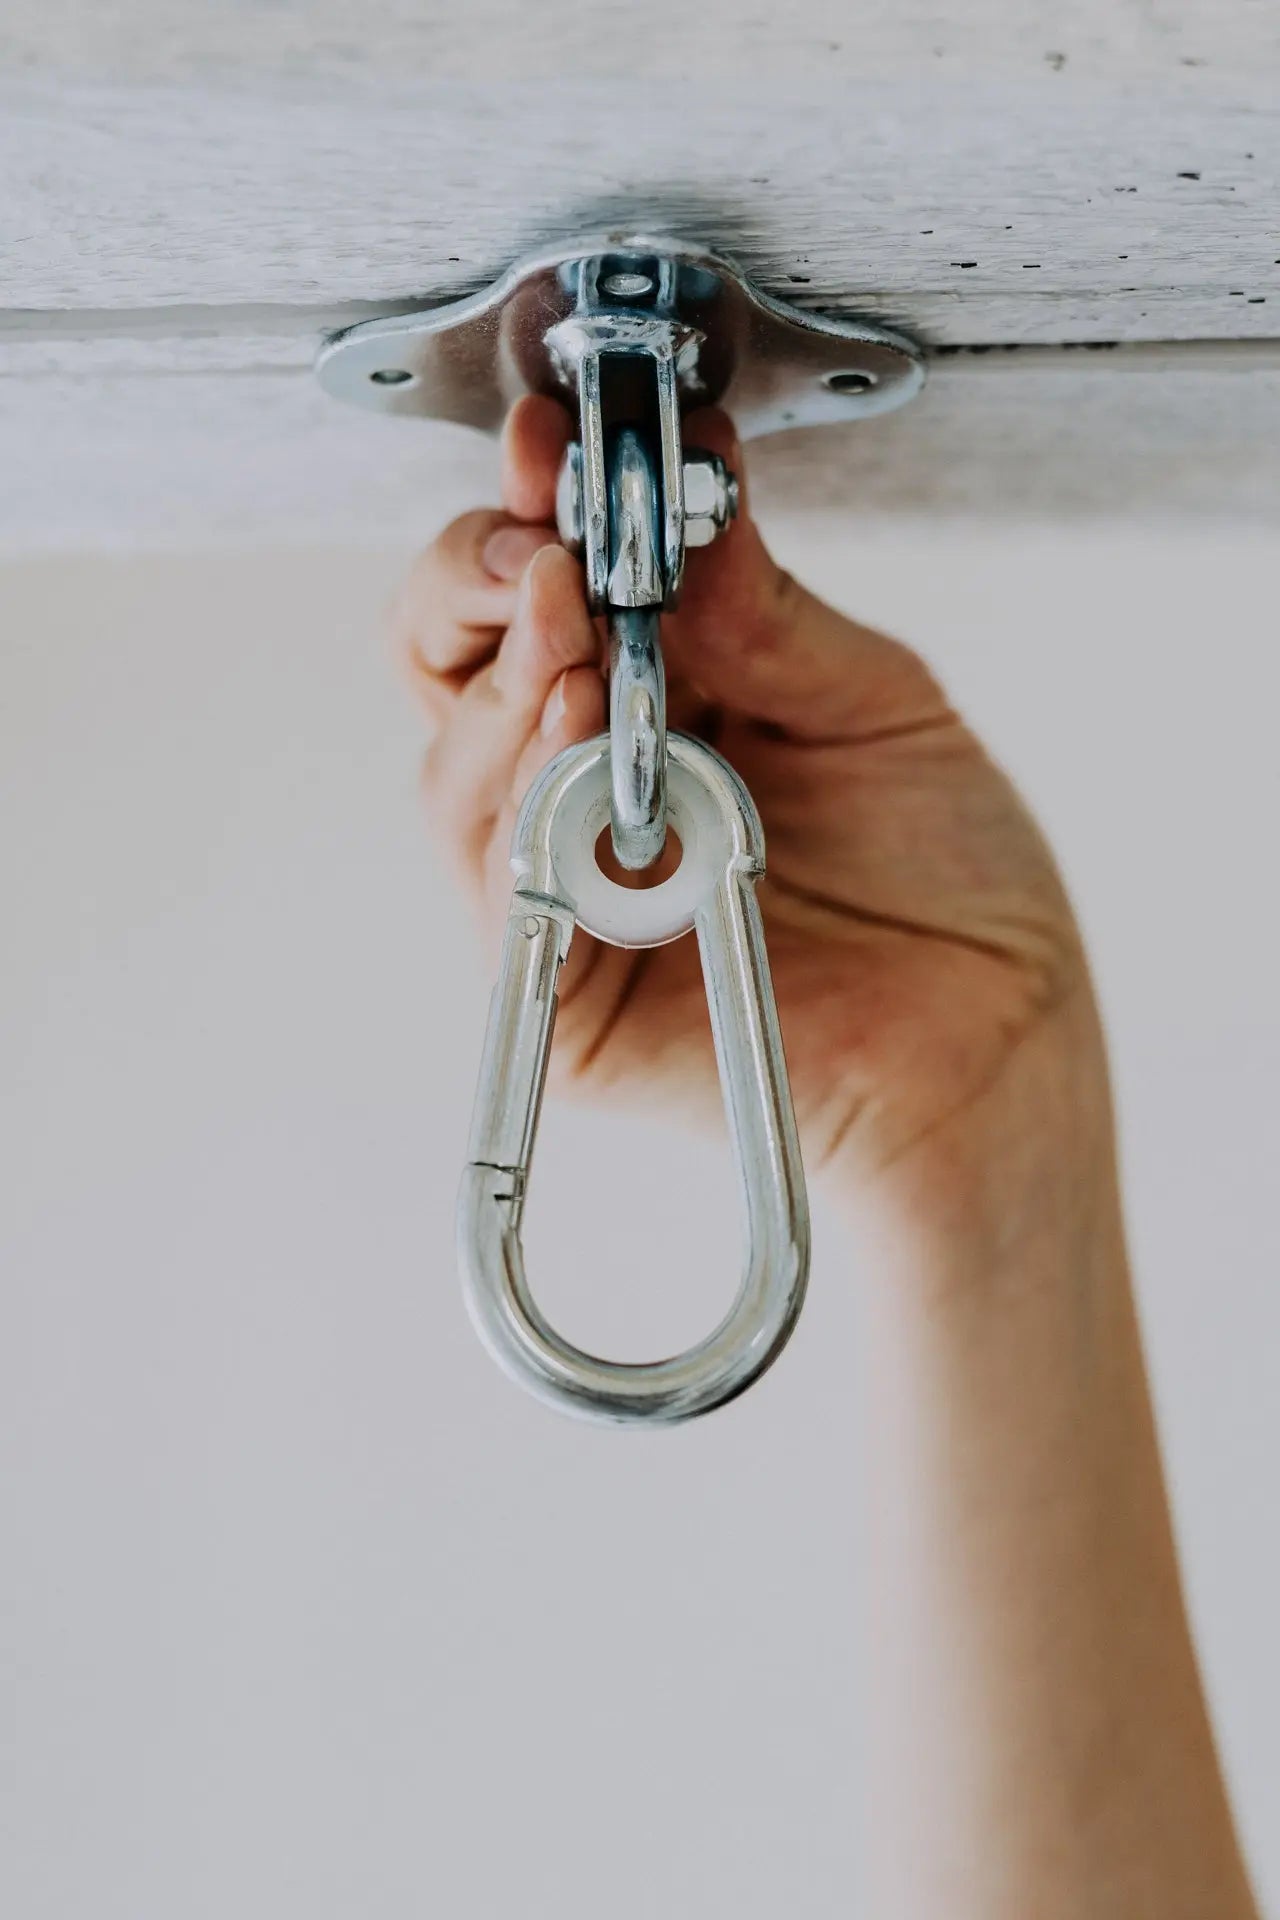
(311,152)
(193,196)
(1038,209)
(152,40)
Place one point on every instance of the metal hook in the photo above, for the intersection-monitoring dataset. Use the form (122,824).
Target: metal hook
(559,886)
(637,682)
(634,591)
(623,502)
(638,737)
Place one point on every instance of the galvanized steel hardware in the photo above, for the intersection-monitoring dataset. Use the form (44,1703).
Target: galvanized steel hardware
(632,333)
(559,887)
(623,503)
(637,569)
(772,365)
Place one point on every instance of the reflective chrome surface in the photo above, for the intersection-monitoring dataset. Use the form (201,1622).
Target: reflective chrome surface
(635,331)
(637,737)
(772,365)
(710,497)
(637,683)
(559,886)
(635,569)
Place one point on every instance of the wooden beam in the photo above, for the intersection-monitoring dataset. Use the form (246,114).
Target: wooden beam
(976,177)
(194,197)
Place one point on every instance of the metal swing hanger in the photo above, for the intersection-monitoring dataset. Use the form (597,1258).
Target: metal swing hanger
(630,501)
(635,332)
(632,332)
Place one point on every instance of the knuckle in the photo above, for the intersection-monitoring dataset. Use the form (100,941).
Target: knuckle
(786,605)
(560,625)
(454,556)
(463,538)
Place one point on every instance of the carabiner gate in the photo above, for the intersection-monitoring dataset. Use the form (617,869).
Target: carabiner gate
(559,887)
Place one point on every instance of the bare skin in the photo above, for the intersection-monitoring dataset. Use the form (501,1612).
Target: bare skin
(1042,1745)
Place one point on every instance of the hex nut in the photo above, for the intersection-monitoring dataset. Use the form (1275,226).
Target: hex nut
(710,498)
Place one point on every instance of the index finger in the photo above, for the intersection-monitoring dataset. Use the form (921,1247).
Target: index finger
(534,438)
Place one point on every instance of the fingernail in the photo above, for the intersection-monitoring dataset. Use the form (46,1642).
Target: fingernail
(554,710)
(508,550)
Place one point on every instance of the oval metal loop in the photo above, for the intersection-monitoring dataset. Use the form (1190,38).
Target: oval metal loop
(560,886)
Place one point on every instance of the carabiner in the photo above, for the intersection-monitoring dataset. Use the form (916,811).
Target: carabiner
(558,887)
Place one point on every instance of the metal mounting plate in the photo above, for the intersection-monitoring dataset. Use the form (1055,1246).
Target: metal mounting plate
(772,365)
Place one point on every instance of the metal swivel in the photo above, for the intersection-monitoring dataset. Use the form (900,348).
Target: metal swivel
(631,501)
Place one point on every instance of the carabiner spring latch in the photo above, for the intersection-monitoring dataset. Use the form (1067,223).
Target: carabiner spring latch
(559,886)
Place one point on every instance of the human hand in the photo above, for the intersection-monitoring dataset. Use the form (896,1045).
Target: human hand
(931,987)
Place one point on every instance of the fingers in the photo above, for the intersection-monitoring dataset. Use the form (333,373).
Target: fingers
(749,635)
(461,593)
(746,638)
(573,711)
(498,717)
(536,433)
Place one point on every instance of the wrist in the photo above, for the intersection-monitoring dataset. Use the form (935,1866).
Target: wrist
(1023,1176)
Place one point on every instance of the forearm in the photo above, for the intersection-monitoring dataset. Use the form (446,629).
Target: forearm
(1040,1739)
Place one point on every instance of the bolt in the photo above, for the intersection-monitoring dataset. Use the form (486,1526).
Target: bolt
(627,286)
(710,498)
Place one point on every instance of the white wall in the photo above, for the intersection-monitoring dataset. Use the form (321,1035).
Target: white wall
(313,1614)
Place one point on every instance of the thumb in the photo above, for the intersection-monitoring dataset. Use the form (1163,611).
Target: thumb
(750,637)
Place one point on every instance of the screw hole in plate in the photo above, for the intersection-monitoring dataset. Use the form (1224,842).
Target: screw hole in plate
(849,382)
